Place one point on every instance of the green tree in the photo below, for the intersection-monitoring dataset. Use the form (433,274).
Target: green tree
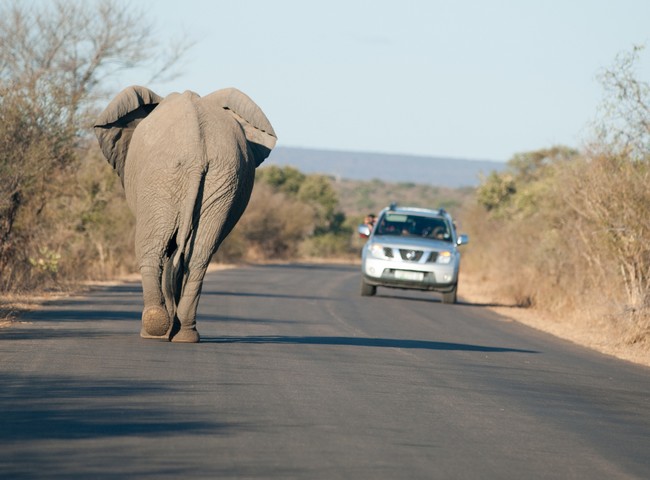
(283,179)
(327,234)
(317,190)
(518,189)
(496,191)
(314,190)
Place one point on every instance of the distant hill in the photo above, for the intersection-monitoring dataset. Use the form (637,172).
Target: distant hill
(438,171)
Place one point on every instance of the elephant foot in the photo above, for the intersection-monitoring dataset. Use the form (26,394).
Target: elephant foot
(155,323)
(186,335)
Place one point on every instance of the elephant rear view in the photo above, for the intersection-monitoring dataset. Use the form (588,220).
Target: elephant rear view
(187,164)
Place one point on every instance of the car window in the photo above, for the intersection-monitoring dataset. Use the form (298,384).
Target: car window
(412,225)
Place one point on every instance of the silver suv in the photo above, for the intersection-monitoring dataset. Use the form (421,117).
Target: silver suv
(411,248)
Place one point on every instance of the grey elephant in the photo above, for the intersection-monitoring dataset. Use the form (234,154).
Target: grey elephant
(187,164)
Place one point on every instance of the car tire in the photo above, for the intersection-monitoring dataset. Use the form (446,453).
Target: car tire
(450,297)
(367,290)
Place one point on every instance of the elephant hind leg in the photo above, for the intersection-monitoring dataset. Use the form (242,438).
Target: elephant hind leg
(153,252)
(156,319)
(222,205)
(209,235)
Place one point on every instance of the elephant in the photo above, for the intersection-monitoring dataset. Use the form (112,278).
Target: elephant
(187,164)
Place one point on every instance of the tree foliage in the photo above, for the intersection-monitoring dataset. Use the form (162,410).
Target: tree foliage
(562,229)
(55,60)
(291,215)
(518,188)
(283,179)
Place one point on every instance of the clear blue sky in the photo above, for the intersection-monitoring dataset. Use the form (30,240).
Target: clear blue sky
(476,79)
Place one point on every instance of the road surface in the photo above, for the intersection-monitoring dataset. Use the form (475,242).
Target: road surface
(297,376)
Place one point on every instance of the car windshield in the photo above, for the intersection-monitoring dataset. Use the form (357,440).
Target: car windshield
(402,225)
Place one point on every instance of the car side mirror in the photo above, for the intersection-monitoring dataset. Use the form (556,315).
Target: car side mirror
(364,230)
(462,239)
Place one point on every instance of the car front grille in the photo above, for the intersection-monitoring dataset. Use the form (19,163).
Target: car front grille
(410,255)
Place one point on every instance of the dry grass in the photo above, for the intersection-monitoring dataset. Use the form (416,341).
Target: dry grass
(12,306)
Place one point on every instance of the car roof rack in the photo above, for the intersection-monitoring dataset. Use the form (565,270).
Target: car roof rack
(436,211)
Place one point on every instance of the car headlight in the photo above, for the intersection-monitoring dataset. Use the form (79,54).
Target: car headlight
(444,257)
(377,251)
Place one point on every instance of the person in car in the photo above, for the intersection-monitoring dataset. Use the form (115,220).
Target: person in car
(370,220)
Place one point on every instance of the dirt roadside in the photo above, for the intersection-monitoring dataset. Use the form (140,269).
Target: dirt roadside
(601,336)
(587,331)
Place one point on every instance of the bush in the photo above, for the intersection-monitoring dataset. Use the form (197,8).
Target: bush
(272,227)
(570,237)
(290,216)
(62,216)
(609,197)
(34,156)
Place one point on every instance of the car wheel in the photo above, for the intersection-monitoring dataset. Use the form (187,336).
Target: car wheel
(367,290)
(450,297)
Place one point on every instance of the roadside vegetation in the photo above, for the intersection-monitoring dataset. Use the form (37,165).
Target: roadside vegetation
(561,230)
(290,216)
(62,213)
(567,232)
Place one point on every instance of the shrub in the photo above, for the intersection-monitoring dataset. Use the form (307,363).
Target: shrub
(272,227)
(58,214)
(290,216)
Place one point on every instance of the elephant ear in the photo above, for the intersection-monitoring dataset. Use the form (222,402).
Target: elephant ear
(259,133)
(115,126)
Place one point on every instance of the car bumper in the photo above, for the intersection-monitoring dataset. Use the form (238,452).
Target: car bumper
(409,275)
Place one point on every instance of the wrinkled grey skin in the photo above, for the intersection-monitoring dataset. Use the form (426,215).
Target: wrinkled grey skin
(187,164)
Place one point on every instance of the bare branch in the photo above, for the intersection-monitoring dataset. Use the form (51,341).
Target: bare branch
(55,58)
(624,122)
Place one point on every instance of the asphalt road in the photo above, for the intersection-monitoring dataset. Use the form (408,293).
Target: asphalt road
(298,376)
